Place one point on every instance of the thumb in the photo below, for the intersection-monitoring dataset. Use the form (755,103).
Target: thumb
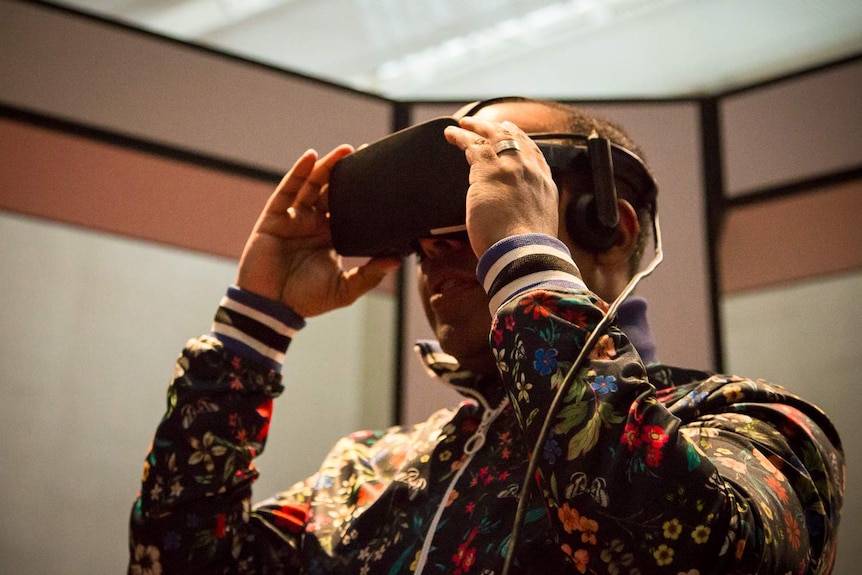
(362,279)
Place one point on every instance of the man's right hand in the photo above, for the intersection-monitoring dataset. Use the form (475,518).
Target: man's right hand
(289,257)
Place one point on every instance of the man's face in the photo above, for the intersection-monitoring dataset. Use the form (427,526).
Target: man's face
(455,303)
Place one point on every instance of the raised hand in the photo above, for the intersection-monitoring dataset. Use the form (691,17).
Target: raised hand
(289,256)
(511,190)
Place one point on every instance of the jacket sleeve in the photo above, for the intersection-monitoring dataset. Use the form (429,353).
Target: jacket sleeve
(193,514)
(736,487)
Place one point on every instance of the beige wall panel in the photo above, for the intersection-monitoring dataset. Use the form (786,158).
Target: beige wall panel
(94,184)
(793,130)
(65,65)
(678,292)
(93,321)
(791,239)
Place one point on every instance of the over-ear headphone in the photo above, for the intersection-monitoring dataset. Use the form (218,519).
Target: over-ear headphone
(592,217)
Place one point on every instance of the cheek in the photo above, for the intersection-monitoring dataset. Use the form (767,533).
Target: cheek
(424,295)
(476,317)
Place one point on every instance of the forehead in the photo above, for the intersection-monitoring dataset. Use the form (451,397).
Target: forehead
(529,116)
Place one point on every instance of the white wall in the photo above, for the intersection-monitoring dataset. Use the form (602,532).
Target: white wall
(93,322)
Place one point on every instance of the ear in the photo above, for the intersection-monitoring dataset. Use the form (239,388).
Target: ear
(627,237)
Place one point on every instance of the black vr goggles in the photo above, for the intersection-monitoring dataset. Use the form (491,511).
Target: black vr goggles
(413,184)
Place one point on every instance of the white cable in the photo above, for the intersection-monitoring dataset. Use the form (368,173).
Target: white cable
(564,387)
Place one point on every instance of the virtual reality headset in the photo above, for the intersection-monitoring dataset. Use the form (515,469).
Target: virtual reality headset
(413,184)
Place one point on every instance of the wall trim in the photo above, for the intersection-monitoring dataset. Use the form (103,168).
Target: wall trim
(160,149)
(813,184)
(798,74)
(714,194)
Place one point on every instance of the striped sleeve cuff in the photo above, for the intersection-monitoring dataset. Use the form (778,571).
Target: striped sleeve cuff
(518,263)
(255,327)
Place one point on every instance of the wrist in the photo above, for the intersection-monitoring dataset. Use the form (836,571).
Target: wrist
(255,327)
(518,263)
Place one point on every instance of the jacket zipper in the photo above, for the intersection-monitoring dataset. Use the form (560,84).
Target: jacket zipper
(471,447)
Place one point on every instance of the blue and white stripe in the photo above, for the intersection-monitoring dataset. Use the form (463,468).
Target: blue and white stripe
(255,327)
(518,263)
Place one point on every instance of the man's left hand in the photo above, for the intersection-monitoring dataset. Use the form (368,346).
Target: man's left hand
(511,190)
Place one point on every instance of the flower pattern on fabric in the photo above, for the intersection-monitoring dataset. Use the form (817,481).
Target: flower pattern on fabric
(644,471)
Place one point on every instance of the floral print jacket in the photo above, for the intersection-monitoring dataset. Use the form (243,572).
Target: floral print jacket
(645,470)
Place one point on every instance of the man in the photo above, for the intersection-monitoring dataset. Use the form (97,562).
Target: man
(641,469)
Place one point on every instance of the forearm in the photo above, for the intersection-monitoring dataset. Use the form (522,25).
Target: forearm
(196,490)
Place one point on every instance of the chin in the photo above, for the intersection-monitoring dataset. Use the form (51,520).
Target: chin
(469,347)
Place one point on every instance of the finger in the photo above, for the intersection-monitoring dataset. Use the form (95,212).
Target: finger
(491,129)
(461,137)
(311,189)
(502,141)
(322,204)
(362,279)
(478,132)
(473,144)
(502,136)
(526,143)
(290,184)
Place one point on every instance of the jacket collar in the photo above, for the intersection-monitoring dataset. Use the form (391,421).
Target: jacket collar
(439,364)
(631,318)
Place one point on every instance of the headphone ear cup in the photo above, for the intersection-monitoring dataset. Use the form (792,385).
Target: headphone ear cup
(584,226)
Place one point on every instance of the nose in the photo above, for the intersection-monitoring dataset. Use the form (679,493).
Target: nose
(436,247)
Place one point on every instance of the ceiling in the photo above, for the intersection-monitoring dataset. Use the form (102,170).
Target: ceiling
(466,49)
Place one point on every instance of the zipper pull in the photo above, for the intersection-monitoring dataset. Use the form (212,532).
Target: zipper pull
(477,440)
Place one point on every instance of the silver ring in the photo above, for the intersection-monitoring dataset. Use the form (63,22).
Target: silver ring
(504,145)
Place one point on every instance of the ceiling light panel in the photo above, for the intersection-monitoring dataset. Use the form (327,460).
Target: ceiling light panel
(574,49)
